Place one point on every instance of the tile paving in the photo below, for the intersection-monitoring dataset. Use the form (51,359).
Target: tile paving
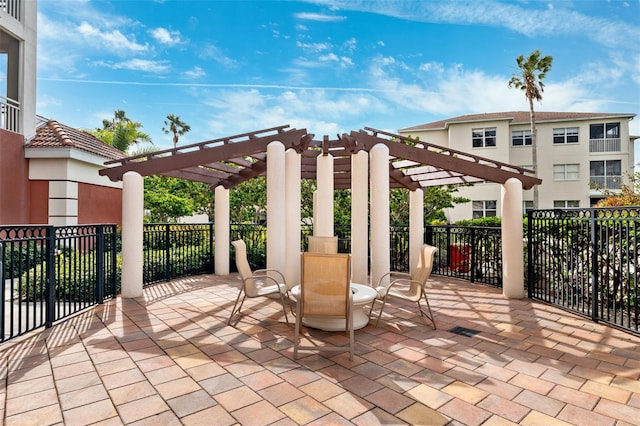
(170,358)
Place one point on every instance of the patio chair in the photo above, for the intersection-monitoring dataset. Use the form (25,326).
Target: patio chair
(256,284)
(323,244)
(409,287)
(325,293)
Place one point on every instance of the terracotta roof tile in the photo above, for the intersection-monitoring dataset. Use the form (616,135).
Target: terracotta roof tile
(56,135)
(516,117)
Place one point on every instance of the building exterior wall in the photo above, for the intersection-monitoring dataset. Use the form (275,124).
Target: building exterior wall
(14,183)
(99,204)
(39,202)
(459,136)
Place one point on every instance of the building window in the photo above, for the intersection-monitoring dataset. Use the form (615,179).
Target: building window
(604,131)
(606,174)
(520,137)
(565,135)
(527,206)
(566,171)
(483,138)
(487,208)
(565,204)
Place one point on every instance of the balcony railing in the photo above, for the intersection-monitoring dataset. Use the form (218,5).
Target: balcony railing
(606,182)
(605,145)
(12,7)
(9,113)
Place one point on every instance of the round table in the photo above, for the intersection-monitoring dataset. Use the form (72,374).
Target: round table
(362,294)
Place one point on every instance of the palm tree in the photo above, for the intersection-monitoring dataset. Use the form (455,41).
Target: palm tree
(174,125)
(532,71)
(121,132)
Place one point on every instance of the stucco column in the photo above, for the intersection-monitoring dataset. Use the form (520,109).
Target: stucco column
(276,220)
(512,240)
(359,214)
(293,217)
(222,230)
(324,203)
(416,226)
(132,234)
(380,239)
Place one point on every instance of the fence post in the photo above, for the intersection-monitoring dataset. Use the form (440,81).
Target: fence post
(211,248)
(594,265)
(114,260)
(50,283)
(167,253)
(474,255)
(530,265)
(100,264)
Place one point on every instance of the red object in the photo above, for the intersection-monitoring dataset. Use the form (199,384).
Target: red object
(459,255)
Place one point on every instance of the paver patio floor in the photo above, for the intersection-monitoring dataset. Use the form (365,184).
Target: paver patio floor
(170,358)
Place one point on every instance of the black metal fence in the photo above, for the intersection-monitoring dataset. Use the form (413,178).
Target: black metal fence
(586,261)
(176,250)
(49,273)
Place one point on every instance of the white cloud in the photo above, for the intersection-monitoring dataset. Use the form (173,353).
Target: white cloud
(314,47)
(164,36)
(141,65)
(213,52)
(319,17)
(194,73)
(113,40)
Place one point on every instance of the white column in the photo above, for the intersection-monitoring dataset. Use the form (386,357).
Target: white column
(293,217)
(512,240)
(416,226)
(132,234)
(276,221)
(359,214)
(222,230)
(380,239)
(324,205)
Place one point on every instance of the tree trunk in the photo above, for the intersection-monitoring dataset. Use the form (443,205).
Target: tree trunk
(534,151)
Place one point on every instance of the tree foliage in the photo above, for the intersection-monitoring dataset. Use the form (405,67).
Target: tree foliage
(176,127)
(166,198)
(123,133)
(629,194)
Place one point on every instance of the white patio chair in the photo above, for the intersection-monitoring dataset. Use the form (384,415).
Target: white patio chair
(409,287)
(258,283)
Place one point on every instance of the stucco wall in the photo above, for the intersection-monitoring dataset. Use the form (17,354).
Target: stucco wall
(99,204)
(14,180)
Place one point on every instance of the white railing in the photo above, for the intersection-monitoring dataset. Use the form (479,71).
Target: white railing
(12,7)
(606,182)
(605,145)
(9,114)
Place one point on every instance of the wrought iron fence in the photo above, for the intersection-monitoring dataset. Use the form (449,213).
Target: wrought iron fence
(49,273)
(176,250)
(472,253)
(586,261)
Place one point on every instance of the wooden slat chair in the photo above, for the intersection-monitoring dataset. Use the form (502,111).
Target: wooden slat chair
(256,283)
(409,287)
(325,292)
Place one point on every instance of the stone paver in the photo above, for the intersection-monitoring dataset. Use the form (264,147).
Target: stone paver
(170,358)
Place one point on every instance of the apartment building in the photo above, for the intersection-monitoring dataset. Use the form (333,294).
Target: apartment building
(581,156)
(48,171)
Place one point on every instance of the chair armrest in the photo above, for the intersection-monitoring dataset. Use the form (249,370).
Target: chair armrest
(389,274)
(263,272)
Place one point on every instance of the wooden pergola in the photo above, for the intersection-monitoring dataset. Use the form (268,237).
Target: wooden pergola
(232,160)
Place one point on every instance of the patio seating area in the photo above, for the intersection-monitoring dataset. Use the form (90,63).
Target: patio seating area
(169,358)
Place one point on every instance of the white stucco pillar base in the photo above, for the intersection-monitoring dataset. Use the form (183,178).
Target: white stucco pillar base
(416,226)
(512,240)
(132,234)
(324,227)
(222,231)
(359,214)
(380,239)
(276,200)
(293,217)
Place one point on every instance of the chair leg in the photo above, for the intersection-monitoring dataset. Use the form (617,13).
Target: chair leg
(430,314)
(384,302)
(284,308)
(234,311)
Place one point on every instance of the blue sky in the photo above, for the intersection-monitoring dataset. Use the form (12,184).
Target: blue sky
(228,67)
